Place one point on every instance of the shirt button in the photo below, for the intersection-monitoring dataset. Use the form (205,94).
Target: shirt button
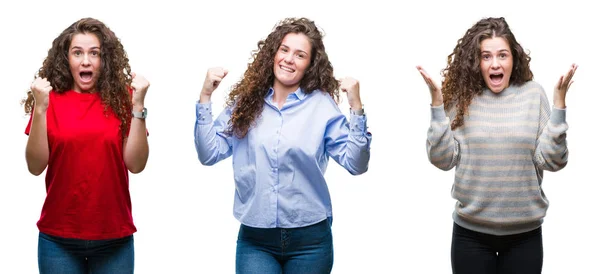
(202,118)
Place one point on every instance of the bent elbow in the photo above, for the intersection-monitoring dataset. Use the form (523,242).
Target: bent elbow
(34,167)
(444,167)
(35,171)
(135,167)
(206,161)
(558,166)
(136,170)
(357,172)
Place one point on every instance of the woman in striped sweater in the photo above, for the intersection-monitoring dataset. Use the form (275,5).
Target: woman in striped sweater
(494,124)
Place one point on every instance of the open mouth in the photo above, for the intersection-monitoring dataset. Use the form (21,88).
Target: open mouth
(496,78)
(86,76)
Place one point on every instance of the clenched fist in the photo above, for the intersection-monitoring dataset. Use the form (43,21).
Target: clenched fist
(214,76)
(351,87)
(41,91)
(140,85)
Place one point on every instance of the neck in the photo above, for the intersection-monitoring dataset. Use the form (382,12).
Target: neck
(280,93)
(92,90)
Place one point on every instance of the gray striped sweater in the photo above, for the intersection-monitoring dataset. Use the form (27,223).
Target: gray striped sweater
(500,152)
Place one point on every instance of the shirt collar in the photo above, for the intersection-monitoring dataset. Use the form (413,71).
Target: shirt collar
(299,93)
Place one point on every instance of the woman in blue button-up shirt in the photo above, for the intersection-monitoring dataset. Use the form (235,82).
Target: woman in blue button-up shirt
(281,125)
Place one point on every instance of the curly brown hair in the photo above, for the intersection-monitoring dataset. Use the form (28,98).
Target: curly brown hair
(115,73)
(462,77)
(247,96)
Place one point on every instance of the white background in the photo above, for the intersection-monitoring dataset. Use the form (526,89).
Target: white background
(396,218)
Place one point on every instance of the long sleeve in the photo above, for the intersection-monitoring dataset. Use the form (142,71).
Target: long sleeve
(212,145)
(442,148)
(349,143)
(551,151)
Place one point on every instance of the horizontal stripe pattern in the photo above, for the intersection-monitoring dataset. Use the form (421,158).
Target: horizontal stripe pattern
(500,152)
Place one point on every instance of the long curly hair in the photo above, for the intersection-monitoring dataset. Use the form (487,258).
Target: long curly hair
(115,72)
(462,76)
(247,96)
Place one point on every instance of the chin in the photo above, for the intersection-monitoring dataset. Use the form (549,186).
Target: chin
(498,90)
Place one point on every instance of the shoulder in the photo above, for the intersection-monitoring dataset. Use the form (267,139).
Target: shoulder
(529,89)
(533,87)
(532,90)
(323,98)
(58,96)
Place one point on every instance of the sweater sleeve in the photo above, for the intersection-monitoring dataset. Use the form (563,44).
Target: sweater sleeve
(443,149)
(551,152)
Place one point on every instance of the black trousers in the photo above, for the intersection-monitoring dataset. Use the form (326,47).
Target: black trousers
(480,253)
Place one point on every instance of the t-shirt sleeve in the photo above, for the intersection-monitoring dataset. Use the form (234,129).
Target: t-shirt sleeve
(28,127)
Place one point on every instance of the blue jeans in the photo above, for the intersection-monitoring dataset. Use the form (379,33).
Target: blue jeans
(73,256)
(285,250)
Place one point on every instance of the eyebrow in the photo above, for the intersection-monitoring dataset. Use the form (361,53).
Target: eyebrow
(284,45)
(502,50)
(78,47)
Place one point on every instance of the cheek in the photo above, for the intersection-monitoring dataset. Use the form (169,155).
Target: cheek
(305,66)
(277,58)
(483,68)
(97,64)
(72,63)
(509,65)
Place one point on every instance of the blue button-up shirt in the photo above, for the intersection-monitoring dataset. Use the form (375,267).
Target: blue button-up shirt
(279,165)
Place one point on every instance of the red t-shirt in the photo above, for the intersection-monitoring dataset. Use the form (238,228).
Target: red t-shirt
(87,182)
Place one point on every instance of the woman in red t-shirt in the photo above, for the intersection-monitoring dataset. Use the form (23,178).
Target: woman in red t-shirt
(88,127)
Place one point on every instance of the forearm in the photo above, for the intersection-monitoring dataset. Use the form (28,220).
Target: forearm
(37,151)
(211,146)
(442,149)
(136,149)
(552,152)
(358,153)
(349,144)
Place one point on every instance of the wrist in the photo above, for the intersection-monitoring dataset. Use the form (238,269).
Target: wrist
(40,110)
(204,98)
(559,103)
(357,111)
(356,106)
(138,107)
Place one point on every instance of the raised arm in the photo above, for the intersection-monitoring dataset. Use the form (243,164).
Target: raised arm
(136,151)
(349,144)
(443,150)
(37,151)
(212,144)
(551,146)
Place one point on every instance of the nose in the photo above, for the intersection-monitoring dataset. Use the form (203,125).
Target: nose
(86,60)
(495,63)
(289,58)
